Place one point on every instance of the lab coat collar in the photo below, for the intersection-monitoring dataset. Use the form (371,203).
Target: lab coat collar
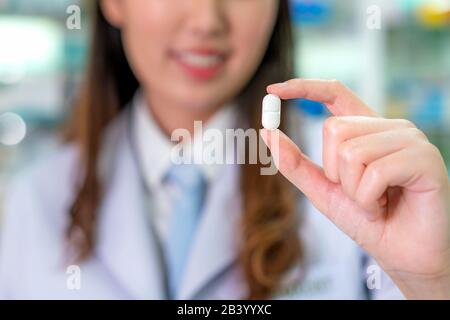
(157,160)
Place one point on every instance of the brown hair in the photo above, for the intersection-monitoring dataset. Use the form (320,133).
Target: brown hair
(270,245)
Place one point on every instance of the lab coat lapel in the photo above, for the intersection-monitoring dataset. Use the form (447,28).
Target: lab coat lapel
(127,244)
(214,248)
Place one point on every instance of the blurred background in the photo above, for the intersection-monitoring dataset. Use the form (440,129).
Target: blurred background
(400,65)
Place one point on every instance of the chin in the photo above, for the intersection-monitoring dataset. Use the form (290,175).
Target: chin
(201,101)
(203,106)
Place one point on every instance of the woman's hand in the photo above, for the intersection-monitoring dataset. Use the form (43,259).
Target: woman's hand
(383,184)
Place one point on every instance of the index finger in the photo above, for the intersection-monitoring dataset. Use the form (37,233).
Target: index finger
(337,97)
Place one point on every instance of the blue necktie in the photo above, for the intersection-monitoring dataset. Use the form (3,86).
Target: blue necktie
(190,185)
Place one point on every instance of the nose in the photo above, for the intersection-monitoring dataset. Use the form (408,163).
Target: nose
(206,18)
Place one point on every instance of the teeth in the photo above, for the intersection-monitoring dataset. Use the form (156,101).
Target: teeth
(201,60)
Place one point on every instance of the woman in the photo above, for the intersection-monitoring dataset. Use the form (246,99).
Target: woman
(137,228)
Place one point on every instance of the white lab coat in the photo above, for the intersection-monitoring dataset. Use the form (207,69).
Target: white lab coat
(127,261)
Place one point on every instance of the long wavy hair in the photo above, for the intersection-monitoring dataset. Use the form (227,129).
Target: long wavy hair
(269,226)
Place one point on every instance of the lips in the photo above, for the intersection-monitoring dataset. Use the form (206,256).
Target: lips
(201,60)
(201,63)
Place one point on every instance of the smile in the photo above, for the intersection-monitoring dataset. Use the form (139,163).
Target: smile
(200,64)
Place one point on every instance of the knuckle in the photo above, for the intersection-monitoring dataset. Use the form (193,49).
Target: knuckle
(293,81)
(332,127)
(417,134)
(375,173)
(433,151)
(433,163)
(348,153)
(407,124)
(336,85)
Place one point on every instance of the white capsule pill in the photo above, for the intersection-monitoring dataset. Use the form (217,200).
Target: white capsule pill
(271,113)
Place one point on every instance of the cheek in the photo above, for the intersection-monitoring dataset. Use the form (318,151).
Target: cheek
(145,38)
(250,43)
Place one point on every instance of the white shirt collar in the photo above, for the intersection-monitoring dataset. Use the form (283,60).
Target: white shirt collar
(154,148)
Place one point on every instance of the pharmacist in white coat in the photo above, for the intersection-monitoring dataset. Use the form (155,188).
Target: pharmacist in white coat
(127,263)
(141,228)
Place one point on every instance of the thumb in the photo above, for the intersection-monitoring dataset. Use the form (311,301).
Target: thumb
(308,177)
